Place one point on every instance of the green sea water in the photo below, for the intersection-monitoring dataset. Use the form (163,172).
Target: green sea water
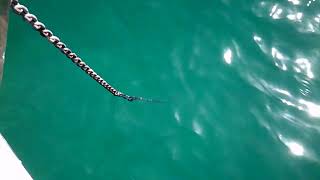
(241,80)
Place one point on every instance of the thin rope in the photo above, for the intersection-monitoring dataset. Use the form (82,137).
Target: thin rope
(40,27)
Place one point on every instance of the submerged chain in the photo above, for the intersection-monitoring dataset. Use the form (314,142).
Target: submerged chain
(40,27)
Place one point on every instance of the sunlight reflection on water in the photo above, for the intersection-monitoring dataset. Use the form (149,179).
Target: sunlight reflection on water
(300,68)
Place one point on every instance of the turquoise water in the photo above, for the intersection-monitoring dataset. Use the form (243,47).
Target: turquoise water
(241,80)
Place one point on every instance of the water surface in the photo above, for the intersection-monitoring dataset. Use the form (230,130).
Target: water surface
(241,79)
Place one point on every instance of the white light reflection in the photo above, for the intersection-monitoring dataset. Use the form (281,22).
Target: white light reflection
(295,17)
(227,56)
(276,12)
(294,147)
(312,108)
(260,43)
(197,128)
(311,27)
(282,91)
(177,116)
(295,2)
(276,54)
(256,38)
(304,65)
(317,18)
(311,1)
(289,103)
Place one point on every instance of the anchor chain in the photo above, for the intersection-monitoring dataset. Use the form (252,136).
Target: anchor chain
(41,28)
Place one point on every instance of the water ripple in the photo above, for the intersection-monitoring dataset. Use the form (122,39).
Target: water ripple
(290,87)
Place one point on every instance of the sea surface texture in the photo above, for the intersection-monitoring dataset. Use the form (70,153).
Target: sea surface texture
(240,81)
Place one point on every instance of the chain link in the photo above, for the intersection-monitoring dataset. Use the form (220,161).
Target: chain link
(40,27)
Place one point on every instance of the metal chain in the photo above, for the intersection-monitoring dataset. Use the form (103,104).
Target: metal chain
(40,27)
